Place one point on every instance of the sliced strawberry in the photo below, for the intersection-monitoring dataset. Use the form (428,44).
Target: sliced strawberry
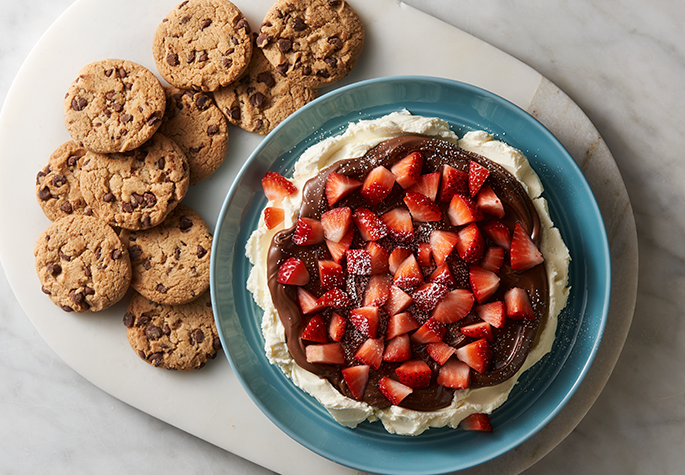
(471,245)
(440,351)
(427,185)
(463,210)
(499,233)
(476,355)
(338,249)
(427,296)
(356,378)
(398,301)
(378,290)
(337,327)
(478,330)
(315,330)
(393,390)
(307,302)
(358,262)
(493,259)
(397,257)
(484,283)
(517,304)
(422,209)
(379,258)
(424,254)
(431,331)
(493,313)
(336,223)
(398,349)
(326,353)
(455,374)
(308,231)
(276,186)
(335,298)
(399,224)
(408,275)
(408,169)
(400,324)
(273,216)
(371,228)
(524,254)
(377,185)
(455,306)
(477,176)
(365,319)
(414,373)
(293,272)
(339,186)
(453,182)
(371,352)
(489,202)
(331,274)
(442,243)
(443,275)
(476,422)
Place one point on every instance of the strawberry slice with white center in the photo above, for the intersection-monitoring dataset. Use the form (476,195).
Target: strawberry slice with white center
(455,306)
(397,257)
(378,290)
(315,330)
(493,259)
(432,331)
(427,296)
(477,355)
(394,391)
(339,186)
(307,302)
(371,352)
(523,253)
(408,275)
(471,245)
(398,349)
(443,275)
(453,182)
(442,243)
(335,298)
(399,224)
(424,254)
(308,231)
(484,283)
(273,216)
(422,209)
(276,186)
(489,202)
(331,274)
(440,352)
(427,185)
(356,378)
(477,176)
(478,422)
(408,169)
(370,227)
(478,330)
(398,301)
(338,249)
(377,185)
(326,353)
(414,373)
(336,223)
(293,272)
(454,374)
(493,313)
(365,319)
(499,233)
(400,324)
(337,327)
(463,210)
(379,258)
(358,262)
(517,304)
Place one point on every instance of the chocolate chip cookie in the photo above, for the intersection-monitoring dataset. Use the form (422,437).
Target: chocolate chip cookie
(175,337)
(198,127)
(113,105)
(81,264)
(202,45)
(262,97)
(313,42)
(136,189)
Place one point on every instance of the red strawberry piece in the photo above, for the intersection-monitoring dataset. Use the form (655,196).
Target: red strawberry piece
(398,301)
(336,223)
(400,324)
(338,249)
(499,233)
(379,258)
(358,262)
(308,231)
(365,319)
(455,374)
(424,255)
(394,391)
(427,296)
(378,291)
(517,304)
(315,330)
(493,259)
(463,210)
(524,254)
(476,355)
(477,176)
(442,243)
(476,422)
(453,182)
(293,272)
(398,349)
(370,227)
(408,275)
(377,185)
(484,283)
(443,275)
(339,186)
(276,186)
(414,373)
(493,313)
(326,353)
(337,327)
(335,298)
(397,257)
(408,169)
(331,274)
(471,245)
(273,216)
(455,306)
(431,331)
(422,209)
(399,224)
(489,202)
(478,330)
(356,378)
(427,185)
(440,351)
(307,302)
(371,352)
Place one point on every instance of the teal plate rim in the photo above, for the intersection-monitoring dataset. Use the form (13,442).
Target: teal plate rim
(542,390)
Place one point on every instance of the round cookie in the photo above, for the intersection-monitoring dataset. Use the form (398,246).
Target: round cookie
(198,127)
(175,337)
(57,184)
(202,45)
(113,105)
(171,261)
(314,43)
(261,98)
(137,189)
(82,264)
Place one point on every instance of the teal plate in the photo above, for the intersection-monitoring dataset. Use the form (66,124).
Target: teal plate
(541,392)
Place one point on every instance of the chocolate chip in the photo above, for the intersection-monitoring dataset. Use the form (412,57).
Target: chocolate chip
(156,358)
(201,251)
(117,107)
(54,269)
(66,207)
(166,329)
(257,99)
(129,319)
(89,291)
(299,24)
(185,223)
(233,113)
(203,57)
(146,222)
(332,62)
(153,120)
(284,45)
(72,161)
(147,264)
(194,150)
(335,42)
(202,101)
(58,180)
(258,124)
(153,332)
(216,343)
(322,73)
(76,296)
(191,56)
(334,3)
(121,72)
(66,308)
(177,253)
(150,199)
(136,199)
(86,272)
(64,256)
(228,51)
(213,129)
(125,118)
(243,24)
(263,39)
(126,207)
(39,177)
(205,23)
(306,70)
(172,59)
(108,198)
(282,68)
(198,336)
(161,289)
(267,79)
(160,163)
(135,252)
(44,193)
(78,104)
(226,62)
(109,72)
(116,254)
(110,95)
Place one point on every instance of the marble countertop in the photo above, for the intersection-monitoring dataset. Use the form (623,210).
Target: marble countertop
(622,63)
